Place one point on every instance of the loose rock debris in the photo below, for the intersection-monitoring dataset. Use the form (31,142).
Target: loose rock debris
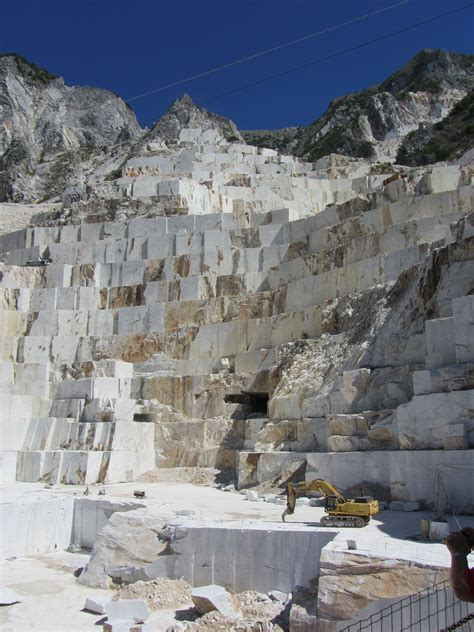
(159,594)
(258,612)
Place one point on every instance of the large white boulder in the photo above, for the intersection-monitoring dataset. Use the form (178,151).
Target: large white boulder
(213,597)
(8,596)
(134,610)
(97,603)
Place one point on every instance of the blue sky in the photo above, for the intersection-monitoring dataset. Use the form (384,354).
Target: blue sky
(132,47)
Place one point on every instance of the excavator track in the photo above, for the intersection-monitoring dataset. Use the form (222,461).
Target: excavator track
(344,521)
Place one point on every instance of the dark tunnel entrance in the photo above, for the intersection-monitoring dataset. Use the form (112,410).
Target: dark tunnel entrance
(256,403)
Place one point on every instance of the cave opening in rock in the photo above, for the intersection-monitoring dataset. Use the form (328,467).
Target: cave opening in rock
(254,402)
(144,417)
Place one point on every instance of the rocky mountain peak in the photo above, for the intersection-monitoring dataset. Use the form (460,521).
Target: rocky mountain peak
(185,101)
(184,113)
(373,123)
(51,133)
(432,70)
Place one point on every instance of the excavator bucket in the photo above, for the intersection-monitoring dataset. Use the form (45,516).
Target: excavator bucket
(290,501)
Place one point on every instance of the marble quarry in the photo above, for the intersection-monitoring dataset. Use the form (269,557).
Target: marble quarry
(221,305)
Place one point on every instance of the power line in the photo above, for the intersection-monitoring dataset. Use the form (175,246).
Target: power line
(339,53)
(267,51)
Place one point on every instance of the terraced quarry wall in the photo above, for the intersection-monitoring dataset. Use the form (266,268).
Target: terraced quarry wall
(219,305)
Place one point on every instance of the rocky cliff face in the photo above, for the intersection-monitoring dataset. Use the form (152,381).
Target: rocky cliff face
(55,137)
(52,134)
(448,139)
(374,122)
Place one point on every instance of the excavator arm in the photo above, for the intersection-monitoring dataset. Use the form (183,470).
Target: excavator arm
(298,489)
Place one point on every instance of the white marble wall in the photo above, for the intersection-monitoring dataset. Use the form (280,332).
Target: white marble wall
(250,223)
(34,525)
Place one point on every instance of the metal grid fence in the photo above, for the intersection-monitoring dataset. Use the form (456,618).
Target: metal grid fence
(435,609)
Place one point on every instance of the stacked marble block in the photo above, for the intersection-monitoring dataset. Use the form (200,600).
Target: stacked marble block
(441,411)
(207,299)
(203,172)
(78,431)
(401,428)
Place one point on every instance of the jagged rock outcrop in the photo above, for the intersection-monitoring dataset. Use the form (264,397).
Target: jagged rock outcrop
(60,142)
(52,134)
(373,123)
(447,140)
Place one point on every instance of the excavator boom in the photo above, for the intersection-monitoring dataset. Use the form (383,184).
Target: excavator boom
(294,490)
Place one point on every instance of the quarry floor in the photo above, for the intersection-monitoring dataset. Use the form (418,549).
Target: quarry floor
(52,600)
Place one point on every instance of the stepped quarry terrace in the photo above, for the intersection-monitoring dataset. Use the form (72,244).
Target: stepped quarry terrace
(216,321)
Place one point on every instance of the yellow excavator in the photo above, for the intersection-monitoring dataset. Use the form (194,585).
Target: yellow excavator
(341,512)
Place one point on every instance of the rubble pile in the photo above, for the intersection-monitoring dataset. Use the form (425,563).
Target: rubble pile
(159,594)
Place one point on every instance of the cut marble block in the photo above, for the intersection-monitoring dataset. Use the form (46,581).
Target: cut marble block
(70,408)
(441,179)
(91,514)
(457,437)
(8,349)
(22,407)
(252,428)
(440,342)
(134,610)
(463,316)
(51,516)
(14,433)
(255,361)
(94,388)
(258,467)
(8,596)
(26,379)
(12,323)
(97,603)
(423,422)
(209,552)
(8,464)
(67,434)
(84,467)
(213,597)
(448,378)
(109,409)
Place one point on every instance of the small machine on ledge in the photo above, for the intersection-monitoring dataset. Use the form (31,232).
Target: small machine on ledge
(341,512)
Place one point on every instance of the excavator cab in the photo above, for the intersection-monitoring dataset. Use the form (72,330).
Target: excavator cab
(330,503)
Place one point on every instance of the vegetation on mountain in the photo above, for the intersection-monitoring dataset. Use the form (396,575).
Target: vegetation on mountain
(446,140)
(32,72)
(359,123)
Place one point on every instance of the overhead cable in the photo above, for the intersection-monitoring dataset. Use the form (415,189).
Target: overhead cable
(339,53)
(211,71)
